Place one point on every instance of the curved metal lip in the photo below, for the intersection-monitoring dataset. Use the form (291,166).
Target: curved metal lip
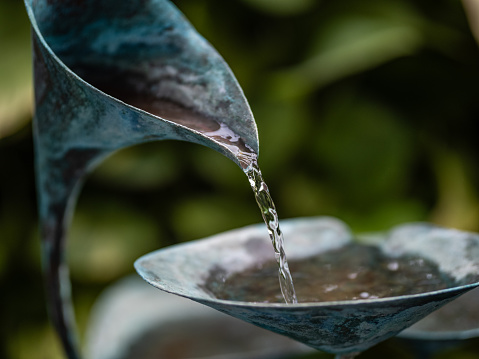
(300,305)
(38,33)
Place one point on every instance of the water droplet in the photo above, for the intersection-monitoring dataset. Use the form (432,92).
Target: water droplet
(330,287)
(364,295)
(394,266)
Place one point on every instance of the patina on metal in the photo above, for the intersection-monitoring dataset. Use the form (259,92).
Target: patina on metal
(340,327)
(112,74)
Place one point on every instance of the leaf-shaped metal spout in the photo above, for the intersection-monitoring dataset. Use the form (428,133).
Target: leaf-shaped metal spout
(108,75)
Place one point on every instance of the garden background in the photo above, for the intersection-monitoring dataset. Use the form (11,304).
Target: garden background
(366,111)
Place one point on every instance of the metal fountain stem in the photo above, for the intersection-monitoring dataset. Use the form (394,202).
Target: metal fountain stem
(87,52)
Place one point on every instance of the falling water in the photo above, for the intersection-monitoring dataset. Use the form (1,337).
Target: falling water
(249,163)
(270,216)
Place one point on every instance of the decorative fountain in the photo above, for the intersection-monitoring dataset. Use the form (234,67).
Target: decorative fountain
(111,75)
(339,326)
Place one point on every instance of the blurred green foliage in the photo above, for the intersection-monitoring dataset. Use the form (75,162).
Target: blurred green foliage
(16,95)
(366,111)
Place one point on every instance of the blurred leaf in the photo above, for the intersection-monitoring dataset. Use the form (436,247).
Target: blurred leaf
(282,7)
(303,195)
(458,202)
(348,44)
(105,240)
(219,170)
(35,342)
(140,167)
(364,149)
(16,96)
(385,215)
(203,216)
(282,128)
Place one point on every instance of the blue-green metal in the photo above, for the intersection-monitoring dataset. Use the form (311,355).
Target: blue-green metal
(339,327)
(94,60)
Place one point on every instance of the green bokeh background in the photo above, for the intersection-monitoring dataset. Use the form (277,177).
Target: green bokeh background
(365,110)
